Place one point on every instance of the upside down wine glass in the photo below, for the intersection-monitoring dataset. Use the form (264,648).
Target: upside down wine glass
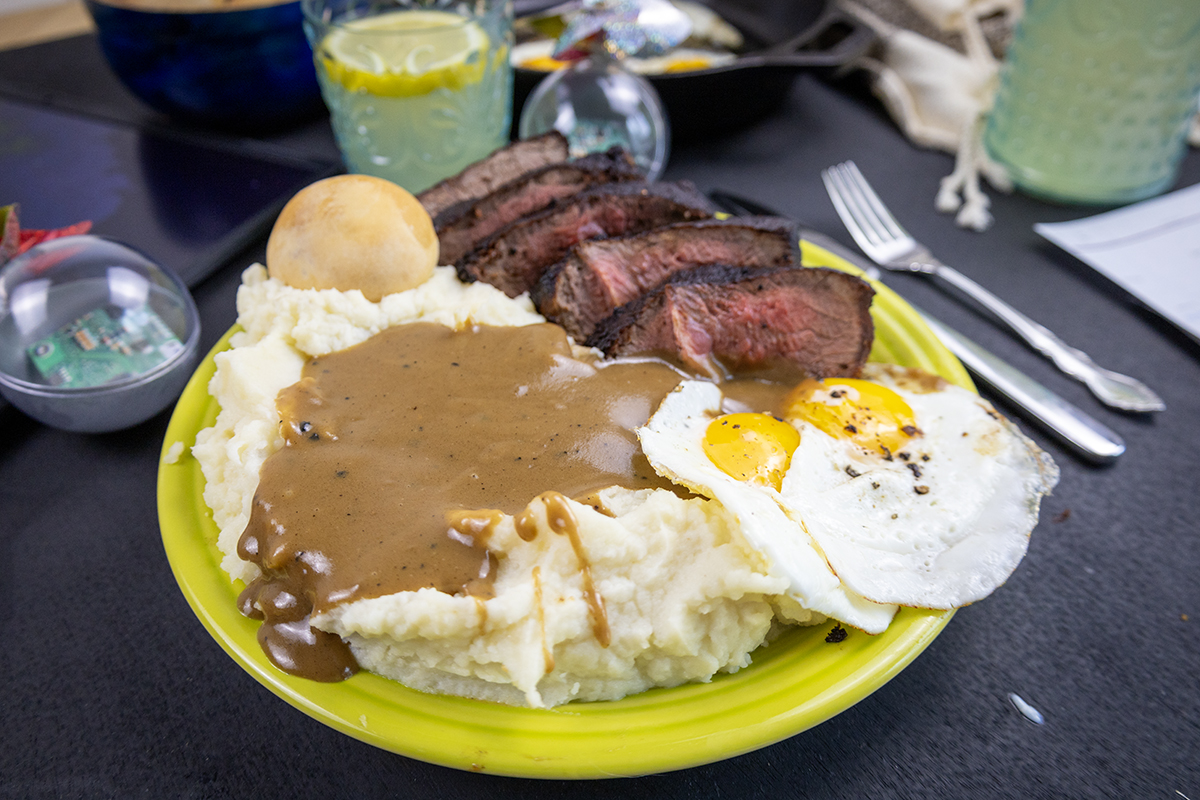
(595,101)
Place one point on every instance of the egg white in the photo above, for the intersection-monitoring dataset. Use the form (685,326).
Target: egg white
(942,522)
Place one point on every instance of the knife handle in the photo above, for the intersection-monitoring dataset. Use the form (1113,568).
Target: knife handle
(1075,428)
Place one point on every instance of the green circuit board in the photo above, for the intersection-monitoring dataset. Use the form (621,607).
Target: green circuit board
(99,348)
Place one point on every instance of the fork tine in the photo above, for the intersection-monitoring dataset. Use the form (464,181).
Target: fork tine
(862,208)
(885,217)
(833,187)
(849,209)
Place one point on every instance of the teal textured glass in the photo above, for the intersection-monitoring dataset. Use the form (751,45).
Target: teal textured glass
(1096,96)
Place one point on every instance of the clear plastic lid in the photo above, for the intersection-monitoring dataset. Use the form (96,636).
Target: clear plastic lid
(84,318)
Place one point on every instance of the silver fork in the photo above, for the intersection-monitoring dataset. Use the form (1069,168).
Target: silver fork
(887,244)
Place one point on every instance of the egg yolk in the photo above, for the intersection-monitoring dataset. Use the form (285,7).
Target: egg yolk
(871,416)
(687,65)
(756,448)
(543,64)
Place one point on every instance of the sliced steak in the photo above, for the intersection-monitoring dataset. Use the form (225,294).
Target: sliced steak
(599,275)
(464,226)
(492,172)
(739,320)
(516,256)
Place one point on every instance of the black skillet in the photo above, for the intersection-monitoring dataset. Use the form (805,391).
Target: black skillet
(782,37)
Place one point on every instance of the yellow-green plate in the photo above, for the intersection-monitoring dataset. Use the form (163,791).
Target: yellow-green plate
(797,682)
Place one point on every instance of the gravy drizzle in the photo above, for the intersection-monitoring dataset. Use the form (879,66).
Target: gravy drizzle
(561,520)
(547,653)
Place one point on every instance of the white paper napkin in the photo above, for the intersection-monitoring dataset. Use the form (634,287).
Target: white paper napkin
(1151,249)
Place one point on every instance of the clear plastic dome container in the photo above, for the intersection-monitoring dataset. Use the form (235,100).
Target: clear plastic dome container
(94,336)
(597,104)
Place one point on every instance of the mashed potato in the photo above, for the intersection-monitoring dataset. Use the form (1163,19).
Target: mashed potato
(684,595)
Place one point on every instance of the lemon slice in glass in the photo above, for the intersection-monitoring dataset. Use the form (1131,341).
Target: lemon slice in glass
(405,53)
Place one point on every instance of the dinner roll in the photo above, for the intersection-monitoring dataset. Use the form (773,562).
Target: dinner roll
(353,232)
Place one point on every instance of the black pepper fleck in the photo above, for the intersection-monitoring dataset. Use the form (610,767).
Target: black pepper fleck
(838,634)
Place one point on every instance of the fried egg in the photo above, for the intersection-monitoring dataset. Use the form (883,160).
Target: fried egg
(905,489)
(537,55)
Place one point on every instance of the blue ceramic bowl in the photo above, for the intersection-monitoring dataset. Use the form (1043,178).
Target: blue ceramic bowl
(247,69)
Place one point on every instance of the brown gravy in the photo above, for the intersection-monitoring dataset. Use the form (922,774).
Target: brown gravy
(401,452)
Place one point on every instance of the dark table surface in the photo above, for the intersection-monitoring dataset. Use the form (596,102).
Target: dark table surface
(110,686)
